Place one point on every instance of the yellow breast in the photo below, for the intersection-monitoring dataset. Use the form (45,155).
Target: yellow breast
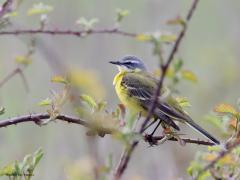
(129,101)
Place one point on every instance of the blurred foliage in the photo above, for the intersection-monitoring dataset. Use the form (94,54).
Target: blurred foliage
(86,93)
(39,8)
(22,169)
(87,24)
(227,119)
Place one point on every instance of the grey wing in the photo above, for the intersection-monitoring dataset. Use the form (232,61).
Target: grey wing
(143,92)
(172,112)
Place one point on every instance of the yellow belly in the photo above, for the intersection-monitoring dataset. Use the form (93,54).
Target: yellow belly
(129,101)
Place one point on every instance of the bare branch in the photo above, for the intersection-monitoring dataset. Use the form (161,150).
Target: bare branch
(15,72)
(80,33)
(128,151)
(6,8)
(38,118)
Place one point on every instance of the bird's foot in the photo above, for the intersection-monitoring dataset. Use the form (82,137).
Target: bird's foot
(149,138)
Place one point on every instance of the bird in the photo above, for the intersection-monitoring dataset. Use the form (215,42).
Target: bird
(136,88)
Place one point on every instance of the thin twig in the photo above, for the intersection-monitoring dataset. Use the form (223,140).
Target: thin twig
(80,33)
(122,165)
(37,118)
(229,148)
(6,8)
(154,140)
(14,73)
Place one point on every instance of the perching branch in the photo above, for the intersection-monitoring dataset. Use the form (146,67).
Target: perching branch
(39,119)
(128,151)
(80,33)
(155,139)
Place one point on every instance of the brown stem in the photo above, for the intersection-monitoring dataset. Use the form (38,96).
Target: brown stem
(153,140)
(12,74)
(38,118)
(80,33)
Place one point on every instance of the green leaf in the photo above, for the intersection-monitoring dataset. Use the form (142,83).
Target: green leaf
(101,106)
(144,37)
(183,102)
(59,79)
(226,109)
(168,38)
(23,60)
(189,75)
(11,14)
(238,104)
(2,110)
(8,170)
(87,24)
(176,21)
(39,8)
(214,148)
(89,101)
(37,157)
(193,168)
(121,14)
(130,120)
(45,102)
(178,65)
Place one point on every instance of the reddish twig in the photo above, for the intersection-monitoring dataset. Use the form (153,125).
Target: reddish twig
(12,74)
(125,157)
(6,8)
(80,33)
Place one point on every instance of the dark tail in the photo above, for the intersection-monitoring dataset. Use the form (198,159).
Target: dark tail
(192,124)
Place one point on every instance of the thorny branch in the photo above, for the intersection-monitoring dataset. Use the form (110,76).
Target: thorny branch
(125,157)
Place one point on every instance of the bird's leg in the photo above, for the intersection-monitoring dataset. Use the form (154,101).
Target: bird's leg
(150,137)
(159,122)
(150,124)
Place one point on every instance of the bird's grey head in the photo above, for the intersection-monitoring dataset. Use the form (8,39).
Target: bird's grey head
(130,63)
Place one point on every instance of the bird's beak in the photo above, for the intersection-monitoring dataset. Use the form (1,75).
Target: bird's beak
(115,62)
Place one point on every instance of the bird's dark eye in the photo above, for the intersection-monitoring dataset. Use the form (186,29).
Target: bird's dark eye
(128,63)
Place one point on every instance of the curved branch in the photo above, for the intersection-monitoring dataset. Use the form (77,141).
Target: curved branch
(38,118)
(80,33)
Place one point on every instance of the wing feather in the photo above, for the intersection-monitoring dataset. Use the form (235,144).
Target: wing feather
(142,87)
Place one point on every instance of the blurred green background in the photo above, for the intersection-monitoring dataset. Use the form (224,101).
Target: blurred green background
(210,49)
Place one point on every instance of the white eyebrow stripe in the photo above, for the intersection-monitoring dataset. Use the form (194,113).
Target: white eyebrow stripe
(132,61)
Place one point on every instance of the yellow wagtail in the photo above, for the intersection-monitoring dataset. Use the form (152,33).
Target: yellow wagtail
(135,88)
